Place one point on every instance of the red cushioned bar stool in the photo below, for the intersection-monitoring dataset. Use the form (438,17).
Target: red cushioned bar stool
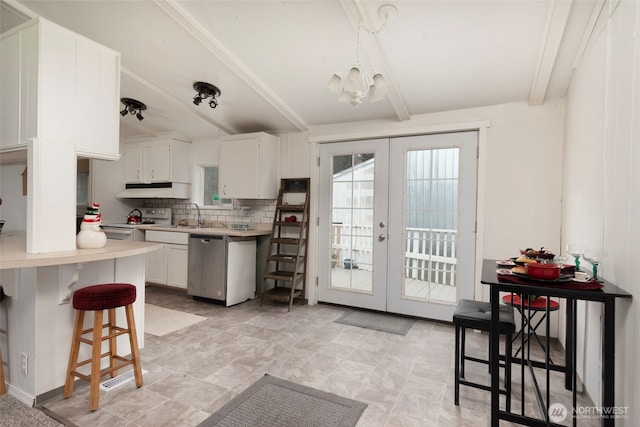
(528,309)
(98,298)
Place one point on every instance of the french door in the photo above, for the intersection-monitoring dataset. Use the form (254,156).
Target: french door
(397,223)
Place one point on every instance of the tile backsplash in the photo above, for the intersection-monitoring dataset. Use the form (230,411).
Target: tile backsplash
(242,211)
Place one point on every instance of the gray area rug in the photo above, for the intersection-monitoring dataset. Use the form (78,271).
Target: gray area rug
(377,321)
(274,402)
(14,413)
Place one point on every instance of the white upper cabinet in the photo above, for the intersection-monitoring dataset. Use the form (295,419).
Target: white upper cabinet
(59,86)
(249,166)
(132,161)
(157,160)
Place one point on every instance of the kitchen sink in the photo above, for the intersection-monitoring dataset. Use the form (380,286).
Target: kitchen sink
(189,227)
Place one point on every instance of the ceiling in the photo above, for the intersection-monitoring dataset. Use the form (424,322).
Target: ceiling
(272,59)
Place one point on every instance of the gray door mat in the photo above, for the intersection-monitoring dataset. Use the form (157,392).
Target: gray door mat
(274,402)
(390,323)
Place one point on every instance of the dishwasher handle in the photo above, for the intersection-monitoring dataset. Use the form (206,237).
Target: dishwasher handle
(207,239)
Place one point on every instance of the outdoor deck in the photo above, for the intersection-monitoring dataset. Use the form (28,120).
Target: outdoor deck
(360,280)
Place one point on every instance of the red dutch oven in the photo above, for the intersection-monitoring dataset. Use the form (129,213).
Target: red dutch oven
(538,270)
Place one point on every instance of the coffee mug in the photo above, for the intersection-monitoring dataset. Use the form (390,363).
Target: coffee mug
(580,276)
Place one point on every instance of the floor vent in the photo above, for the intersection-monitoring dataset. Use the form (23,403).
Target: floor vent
(115,382)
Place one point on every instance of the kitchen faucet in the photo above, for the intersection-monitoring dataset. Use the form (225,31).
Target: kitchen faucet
(200,219)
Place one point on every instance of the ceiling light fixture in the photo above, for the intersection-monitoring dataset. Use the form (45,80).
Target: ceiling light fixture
(206,90)
(353,84)
(133,106)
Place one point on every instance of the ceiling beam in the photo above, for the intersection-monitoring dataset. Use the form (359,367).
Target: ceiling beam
(596,23)
(559,11)
(356,13)
(186,21)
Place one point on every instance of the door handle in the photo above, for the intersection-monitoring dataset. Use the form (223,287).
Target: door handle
(382,237)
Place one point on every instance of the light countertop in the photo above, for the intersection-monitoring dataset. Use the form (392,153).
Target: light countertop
(13,252)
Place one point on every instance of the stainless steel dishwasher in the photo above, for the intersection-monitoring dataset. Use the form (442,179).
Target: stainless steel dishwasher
(207,267)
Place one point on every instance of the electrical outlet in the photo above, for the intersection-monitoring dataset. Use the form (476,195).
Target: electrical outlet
(25,363)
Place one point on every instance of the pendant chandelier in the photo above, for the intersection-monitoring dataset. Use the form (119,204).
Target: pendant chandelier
(356,83)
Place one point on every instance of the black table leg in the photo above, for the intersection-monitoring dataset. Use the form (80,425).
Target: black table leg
(494,358)
(569,344)
(608,361)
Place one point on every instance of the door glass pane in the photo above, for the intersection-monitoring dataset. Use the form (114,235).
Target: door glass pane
(352,222)
(430,232)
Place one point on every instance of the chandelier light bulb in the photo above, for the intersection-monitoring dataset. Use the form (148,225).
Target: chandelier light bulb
(334,84)
(352,82)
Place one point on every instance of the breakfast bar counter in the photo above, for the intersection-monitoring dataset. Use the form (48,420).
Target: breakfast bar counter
(38,316)
(13,252)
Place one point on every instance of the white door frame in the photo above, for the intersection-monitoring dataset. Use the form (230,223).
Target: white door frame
(317,138)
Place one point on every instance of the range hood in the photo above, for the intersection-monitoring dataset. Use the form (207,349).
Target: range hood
(156,190)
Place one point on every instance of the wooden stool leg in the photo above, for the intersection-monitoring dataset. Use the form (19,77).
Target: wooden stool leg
(113,346)
(133,343)
(73,355)
(96,347)
(3,387)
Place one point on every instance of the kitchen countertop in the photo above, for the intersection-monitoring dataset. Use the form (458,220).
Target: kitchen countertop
(14,255)
(210,231)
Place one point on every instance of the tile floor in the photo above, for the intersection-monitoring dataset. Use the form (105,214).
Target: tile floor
(406,380)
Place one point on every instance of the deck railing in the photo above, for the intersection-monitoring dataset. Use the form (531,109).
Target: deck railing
(430,254)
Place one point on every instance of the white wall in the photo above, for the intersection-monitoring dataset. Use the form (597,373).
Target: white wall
(519,180)
(602,188)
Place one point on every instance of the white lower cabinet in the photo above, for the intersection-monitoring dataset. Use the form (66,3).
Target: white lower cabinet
(156,266)
(177,265)
(169,265)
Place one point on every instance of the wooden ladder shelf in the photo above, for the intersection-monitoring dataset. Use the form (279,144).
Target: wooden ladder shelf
(285,273)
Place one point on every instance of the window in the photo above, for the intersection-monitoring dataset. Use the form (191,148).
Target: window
(205,186)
